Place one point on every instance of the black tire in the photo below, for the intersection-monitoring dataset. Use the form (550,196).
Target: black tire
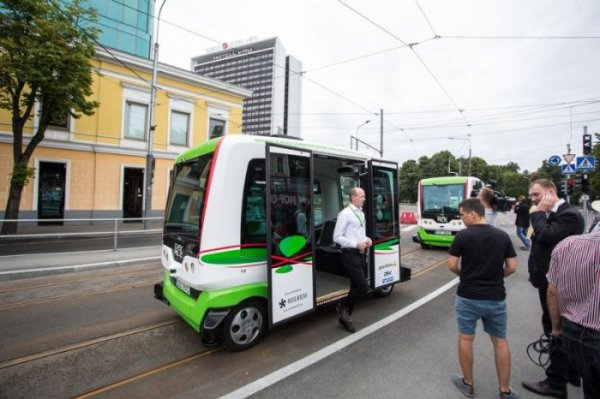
(245,325)
(425,246)
(382,292)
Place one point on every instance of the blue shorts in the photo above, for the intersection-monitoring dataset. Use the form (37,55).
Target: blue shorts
(492,314)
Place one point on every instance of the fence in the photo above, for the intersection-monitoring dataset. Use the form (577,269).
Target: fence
(29,229)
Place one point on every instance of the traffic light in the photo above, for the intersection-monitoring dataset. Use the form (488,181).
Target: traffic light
(585,183)
(563,187)
(570,186)
(587,144)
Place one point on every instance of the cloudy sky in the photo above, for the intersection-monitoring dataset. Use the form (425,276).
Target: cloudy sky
(521,77)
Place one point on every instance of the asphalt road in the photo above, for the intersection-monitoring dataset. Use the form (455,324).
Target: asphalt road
(101,333)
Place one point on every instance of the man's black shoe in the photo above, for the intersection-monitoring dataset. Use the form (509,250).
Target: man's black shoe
(574,379)
(545,389)
(344,318)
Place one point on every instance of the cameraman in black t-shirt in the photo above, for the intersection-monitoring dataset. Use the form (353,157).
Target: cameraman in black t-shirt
(486,256)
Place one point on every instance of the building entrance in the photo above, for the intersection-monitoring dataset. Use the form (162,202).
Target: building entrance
(51,189)
(133,189)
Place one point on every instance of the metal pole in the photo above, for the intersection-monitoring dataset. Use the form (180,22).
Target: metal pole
(381,134)
(358,127)
(469,156)
(151,126)
(585,212)
(115,235)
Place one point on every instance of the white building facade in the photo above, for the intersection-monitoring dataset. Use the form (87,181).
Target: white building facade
(273,77)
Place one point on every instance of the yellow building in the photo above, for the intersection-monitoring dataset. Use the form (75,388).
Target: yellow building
(93,167)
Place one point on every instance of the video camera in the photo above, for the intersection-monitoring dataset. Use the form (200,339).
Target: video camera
(500,202)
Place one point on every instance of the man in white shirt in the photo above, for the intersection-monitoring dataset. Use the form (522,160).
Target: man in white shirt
(350,234)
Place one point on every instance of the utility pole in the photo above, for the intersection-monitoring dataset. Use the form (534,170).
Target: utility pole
(151,127)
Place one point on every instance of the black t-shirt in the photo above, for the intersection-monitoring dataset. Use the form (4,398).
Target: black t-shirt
(482,249)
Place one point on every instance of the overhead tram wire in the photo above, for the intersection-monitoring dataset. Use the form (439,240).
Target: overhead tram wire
(551,106)
(518,37)
(461,111)
(368,55)
(490,133)
(411,46)
(427,19)
(112,55)
(216,41)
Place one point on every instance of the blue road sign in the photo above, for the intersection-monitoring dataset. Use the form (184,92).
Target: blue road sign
(587,162)
(568,169)
(554,160)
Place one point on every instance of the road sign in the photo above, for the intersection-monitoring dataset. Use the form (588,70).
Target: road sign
(568,157)
(568,169)
(586,163)
(554,160)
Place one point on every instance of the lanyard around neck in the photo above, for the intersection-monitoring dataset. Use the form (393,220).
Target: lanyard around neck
(360,220)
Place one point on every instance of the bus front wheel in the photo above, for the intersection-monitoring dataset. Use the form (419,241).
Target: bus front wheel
(245,325)
(425,246)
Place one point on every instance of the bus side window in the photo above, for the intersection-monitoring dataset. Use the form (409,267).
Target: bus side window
(347,183)
(383,204)
(254,220)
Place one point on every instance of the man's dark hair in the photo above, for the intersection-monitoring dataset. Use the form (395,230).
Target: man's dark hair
(473,205)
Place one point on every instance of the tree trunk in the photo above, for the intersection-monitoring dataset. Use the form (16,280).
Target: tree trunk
(12,208)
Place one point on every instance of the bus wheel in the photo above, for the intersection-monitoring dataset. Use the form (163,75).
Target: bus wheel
(245,325)
(425,246)
(383,291)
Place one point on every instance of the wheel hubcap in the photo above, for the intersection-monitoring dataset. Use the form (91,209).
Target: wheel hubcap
(246,325)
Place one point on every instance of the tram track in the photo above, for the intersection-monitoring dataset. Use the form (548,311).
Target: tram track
(83,344)
(199,355)
(151,369)
(12,286)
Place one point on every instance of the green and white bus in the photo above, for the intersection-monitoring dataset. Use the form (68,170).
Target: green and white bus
(437,214)
(248,233)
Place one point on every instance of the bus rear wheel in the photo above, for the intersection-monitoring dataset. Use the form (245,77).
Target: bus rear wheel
(245,325)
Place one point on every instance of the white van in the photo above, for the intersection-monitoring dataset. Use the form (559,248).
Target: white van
(248,234)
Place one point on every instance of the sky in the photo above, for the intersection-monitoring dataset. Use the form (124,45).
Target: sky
(514,80)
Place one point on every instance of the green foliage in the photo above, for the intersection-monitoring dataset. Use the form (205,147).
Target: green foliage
(45,57)
(21,174)
(444,163)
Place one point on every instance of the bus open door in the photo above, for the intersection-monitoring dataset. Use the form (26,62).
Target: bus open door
(289,200)
(383,226)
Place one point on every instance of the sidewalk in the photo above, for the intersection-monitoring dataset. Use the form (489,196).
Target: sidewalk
(32,265)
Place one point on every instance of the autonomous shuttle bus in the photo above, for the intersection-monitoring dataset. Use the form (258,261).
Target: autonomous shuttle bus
(248,233)
(437,215)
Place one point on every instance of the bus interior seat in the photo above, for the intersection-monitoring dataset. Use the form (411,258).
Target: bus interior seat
(326,242)
(329,257)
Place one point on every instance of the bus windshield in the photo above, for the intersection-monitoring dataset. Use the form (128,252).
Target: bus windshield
(186,197)
(442,198)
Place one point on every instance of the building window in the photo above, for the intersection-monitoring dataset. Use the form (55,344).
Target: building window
(135,120)
(216,128)
(180,127)
(59,121)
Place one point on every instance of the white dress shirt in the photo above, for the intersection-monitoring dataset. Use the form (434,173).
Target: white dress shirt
(350,227)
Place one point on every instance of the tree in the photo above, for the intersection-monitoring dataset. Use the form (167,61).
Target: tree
(45,60)
(409,177)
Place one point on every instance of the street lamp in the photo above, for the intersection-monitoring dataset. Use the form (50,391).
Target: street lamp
(356,136)
(151,127)
(468,138)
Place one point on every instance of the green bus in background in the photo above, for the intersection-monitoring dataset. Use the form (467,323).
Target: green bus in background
(437,214)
